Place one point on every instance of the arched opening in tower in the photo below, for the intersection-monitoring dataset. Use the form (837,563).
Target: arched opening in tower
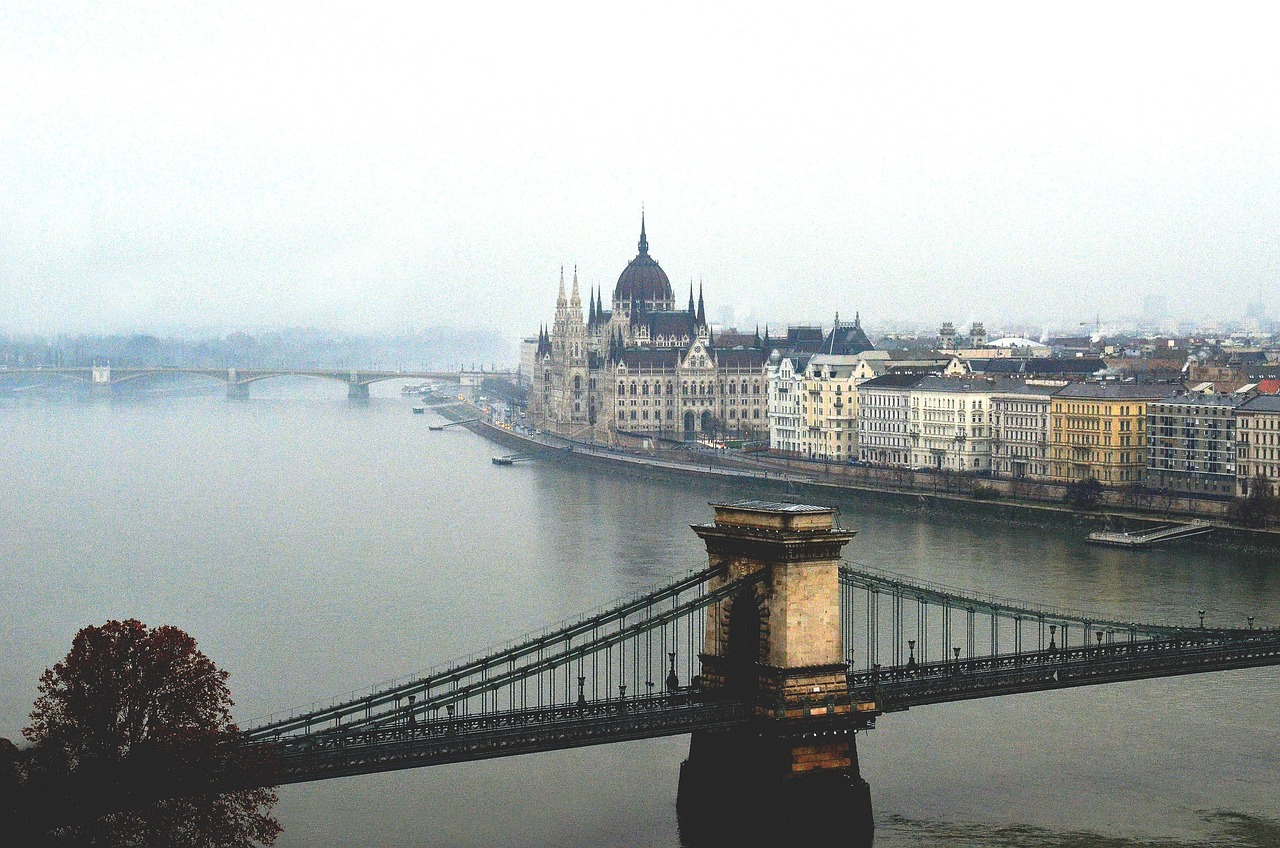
(742,654)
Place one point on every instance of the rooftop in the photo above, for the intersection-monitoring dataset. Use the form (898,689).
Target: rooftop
(1214,400)
(1117,391)
(1262,403)
(773,506)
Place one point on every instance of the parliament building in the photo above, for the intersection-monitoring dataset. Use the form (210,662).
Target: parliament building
(645,368)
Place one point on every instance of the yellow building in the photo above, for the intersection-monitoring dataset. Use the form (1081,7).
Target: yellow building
(1099,431)
(829,407)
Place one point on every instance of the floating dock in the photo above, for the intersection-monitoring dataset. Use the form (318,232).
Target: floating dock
(1147,538)
(512,459)
(451,423)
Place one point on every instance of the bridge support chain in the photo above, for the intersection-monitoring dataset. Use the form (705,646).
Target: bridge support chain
(779,645)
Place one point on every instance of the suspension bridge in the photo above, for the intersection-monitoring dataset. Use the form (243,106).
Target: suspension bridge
(772,658)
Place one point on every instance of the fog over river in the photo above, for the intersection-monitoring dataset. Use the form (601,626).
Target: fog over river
(313,546)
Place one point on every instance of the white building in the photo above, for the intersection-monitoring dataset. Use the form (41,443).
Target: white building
(950,424)
(884,407)
(786,393)
(1020,427)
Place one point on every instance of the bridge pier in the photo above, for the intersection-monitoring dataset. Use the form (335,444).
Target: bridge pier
(794,772)
(101,381)
(236,390)
(357,391)
(754,787)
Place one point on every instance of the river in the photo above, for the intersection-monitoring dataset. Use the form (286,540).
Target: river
(314,546)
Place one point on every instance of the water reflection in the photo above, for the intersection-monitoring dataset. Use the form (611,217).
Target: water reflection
(1225,829)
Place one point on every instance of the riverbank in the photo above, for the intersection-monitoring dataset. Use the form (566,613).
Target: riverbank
(816,481)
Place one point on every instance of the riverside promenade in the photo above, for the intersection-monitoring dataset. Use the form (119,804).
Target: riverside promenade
(917,491)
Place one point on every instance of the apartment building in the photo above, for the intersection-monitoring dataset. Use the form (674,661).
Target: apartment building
(1099,431)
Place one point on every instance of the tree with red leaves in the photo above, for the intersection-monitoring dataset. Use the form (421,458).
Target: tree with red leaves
(133,745)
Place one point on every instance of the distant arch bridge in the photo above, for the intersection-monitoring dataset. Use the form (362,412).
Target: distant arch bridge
(238,380)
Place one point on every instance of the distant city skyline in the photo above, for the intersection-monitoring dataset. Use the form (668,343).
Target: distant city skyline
(371,166)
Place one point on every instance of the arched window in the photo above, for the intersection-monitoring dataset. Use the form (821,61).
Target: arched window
(644,389)
(633,388)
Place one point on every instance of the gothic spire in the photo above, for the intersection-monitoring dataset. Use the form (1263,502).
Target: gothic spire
(644,240)
(692,308)
(702,313)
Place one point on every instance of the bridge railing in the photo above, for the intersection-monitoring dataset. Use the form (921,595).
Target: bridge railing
(454,738)
(900,687)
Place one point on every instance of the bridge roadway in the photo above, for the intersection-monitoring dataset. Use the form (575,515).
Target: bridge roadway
(450,725)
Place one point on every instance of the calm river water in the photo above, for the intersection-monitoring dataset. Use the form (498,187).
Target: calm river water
(313,547)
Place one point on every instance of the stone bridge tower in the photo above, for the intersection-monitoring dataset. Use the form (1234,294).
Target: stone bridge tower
(778,644)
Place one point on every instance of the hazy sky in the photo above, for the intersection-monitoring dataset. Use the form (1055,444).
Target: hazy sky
(377,165)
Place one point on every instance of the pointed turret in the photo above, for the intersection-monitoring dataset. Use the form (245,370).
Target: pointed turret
(702,312)
(692,307)
(575,302)
(560,299)
(644,240)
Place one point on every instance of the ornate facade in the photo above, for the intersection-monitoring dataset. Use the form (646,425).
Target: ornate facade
(643,366)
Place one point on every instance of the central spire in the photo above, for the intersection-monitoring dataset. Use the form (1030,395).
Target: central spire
(644,240)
